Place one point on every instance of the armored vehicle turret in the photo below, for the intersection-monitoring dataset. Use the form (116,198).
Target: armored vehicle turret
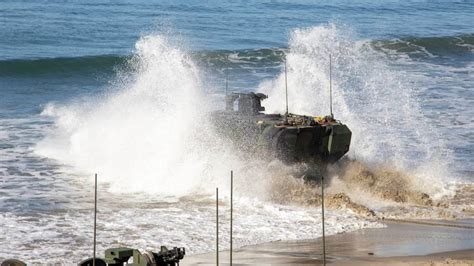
(289,137)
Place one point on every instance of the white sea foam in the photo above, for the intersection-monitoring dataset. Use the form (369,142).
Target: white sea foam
(66,237)
(3,135)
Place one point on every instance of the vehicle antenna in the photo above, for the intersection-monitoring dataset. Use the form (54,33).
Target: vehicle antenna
(95,218)
(286,92)
(330,85)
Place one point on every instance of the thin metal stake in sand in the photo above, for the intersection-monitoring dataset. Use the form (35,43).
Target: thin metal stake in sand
(322,218)
(231,210)
(217,226)
(95,218)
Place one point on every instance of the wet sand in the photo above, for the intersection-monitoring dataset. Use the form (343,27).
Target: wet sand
(400,243)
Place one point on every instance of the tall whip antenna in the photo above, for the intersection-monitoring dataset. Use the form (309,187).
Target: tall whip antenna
(286,92)
(330,84)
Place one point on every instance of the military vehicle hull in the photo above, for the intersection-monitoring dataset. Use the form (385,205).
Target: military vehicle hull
(290,138)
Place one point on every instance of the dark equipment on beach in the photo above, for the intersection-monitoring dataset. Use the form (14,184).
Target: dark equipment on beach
(165,257)
(119,256)
(291,138)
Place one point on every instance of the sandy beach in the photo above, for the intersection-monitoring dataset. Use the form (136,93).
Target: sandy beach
(400,243)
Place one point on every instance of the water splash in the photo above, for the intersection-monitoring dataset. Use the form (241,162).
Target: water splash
(378,103)
(146,136)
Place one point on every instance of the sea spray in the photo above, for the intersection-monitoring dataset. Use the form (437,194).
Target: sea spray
(378,103)
(148,135)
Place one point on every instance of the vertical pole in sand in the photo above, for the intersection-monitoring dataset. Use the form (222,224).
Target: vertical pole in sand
(95,218)
(217,226)
(231,210)
(322,218)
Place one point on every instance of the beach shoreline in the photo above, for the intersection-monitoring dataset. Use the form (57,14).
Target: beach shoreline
(399,243)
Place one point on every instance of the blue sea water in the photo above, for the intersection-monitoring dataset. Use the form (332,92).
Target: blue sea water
(59,53)
(45,29)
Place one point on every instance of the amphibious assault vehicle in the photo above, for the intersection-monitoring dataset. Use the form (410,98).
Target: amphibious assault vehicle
(291,138)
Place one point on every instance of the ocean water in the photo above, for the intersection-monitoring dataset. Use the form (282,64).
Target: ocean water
(123,90)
